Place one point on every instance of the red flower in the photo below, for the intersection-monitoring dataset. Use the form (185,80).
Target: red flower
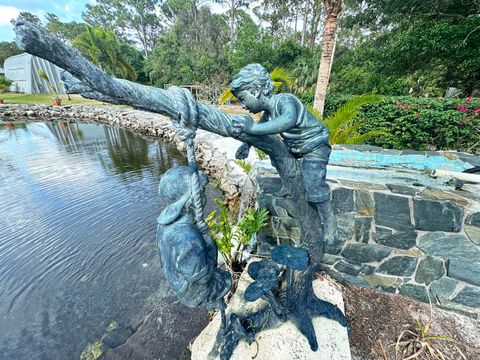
(477,111)
(403,106)
(462,108)
(467,100)
(417,116)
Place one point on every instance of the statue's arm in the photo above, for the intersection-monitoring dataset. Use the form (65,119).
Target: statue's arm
(39,42)
(279,124)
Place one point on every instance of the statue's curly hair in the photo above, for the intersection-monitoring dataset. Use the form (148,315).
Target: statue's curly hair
(252,77)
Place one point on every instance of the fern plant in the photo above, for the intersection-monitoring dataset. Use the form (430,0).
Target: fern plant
(261,154)
(342,123)
(279,75)
(221,229)
(251,223)
(232,239)
(245,165)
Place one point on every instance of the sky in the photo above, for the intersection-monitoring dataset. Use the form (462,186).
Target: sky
(66,10)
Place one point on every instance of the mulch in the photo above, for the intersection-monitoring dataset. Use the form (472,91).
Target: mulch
(377,320)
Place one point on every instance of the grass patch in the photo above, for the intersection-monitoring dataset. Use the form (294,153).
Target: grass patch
(92,351)
(14,98)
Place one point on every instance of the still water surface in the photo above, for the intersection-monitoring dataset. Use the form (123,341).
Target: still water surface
(78,208)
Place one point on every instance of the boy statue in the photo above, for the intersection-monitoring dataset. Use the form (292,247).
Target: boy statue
(304,135)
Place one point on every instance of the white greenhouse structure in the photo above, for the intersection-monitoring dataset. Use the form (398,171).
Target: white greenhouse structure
(23,71)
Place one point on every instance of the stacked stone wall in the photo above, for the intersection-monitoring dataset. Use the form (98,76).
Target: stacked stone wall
(420,242)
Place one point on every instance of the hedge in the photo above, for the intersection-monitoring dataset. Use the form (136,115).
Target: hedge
(417,123)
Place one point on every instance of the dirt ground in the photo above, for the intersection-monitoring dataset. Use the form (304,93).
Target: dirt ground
(378,319)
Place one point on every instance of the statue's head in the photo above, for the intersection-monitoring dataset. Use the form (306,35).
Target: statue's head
(175,190)
(251,86)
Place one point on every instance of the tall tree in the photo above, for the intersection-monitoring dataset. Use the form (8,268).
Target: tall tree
(180,57)
(28,16)
(63,30)
(251,45)
(278,14)
(8,49)
(314,22)
(426,46)
(332,10)
(141,19)
(233,7)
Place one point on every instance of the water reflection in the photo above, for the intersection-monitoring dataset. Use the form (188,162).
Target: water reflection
(127,151)
(78,208)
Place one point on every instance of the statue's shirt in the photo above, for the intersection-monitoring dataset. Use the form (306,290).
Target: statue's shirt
(189,265)
(308,134)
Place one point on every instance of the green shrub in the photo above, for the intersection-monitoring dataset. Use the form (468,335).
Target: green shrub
(417,123)
(4,84)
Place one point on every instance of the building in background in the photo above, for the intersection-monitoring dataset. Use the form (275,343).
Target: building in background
(23,71)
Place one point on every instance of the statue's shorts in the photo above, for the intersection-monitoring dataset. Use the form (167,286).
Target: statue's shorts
(314,171)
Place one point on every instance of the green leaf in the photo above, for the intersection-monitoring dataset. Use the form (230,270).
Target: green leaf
(245,165)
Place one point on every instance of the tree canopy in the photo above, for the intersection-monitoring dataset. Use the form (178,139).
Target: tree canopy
(385,47)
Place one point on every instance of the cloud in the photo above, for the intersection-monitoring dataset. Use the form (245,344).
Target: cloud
(8,13)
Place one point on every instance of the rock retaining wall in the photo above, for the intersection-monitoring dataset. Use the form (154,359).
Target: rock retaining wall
(411,240)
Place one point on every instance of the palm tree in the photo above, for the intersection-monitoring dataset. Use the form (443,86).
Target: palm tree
(279,75)
(332,11)
(342,125)
(103,49)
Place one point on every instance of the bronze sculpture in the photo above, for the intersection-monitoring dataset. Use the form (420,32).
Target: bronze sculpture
(298,148)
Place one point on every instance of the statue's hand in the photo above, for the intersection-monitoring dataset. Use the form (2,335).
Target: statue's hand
(242,124)
(242,152)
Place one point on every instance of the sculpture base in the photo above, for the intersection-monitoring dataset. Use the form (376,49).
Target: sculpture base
(283,342)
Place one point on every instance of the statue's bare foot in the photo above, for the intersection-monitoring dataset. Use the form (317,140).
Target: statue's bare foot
(330,229)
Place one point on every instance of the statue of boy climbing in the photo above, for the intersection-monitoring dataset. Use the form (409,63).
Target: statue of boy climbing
(296,143)
(305,136)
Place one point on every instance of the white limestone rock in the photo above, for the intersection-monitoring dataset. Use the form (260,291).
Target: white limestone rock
(284,342)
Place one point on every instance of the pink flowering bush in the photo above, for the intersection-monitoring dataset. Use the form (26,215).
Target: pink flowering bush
(420,123)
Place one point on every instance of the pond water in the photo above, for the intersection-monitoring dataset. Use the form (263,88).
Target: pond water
(78,209)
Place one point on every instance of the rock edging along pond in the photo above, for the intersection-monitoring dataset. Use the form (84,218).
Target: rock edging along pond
(400,230)
(215,153)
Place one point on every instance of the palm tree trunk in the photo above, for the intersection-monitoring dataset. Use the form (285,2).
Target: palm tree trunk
(332,10)
(305,21)
(232,24)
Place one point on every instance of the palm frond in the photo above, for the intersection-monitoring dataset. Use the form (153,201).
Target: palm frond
(349,110)
(360,139)
(226,95)
(282,75)
(345,133)
(342,125)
